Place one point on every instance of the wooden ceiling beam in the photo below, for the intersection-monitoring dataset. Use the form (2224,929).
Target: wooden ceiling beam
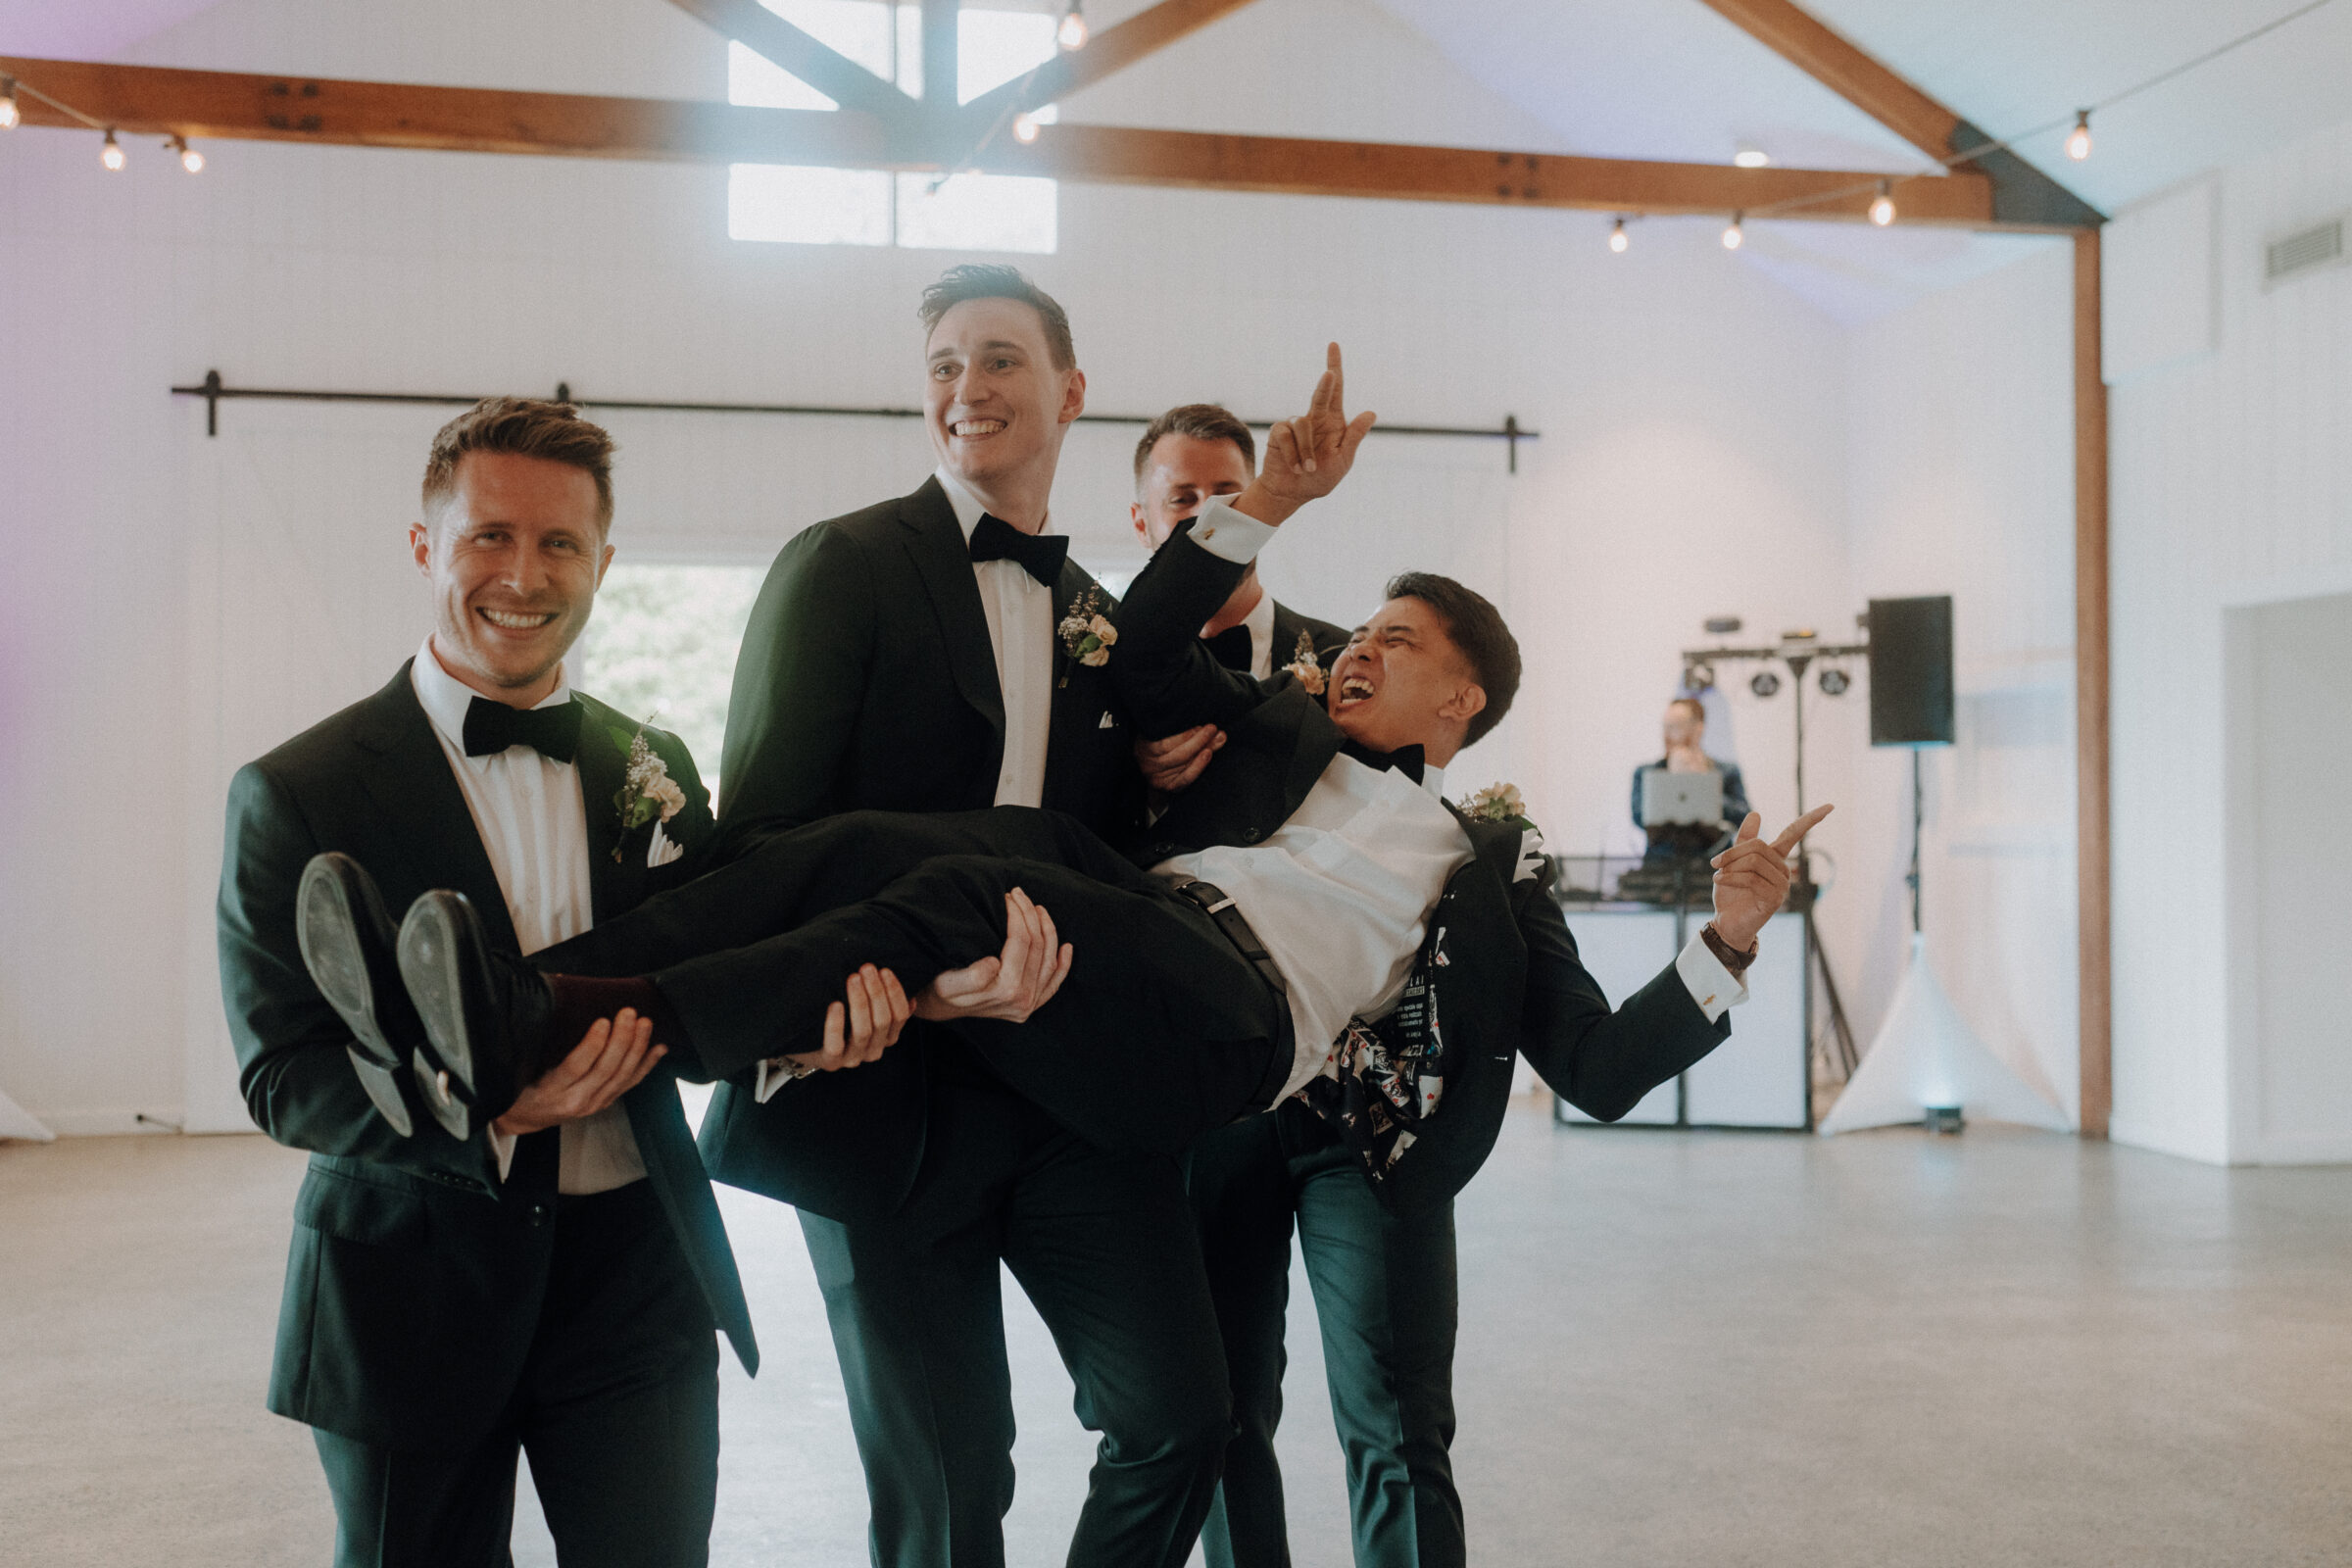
(835,74)
(159,101)
(146,100)
(1113,49)
(2022,195)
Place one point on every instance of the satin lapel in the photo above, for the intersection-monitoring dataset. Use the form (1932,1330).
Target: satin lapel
(936,545)
(1495,843)
(1318,743)
(612,885)
(421,809)
(1077,703)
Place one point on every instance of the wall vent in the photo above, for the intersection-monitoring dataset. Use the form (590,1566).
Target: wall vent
(2322,245)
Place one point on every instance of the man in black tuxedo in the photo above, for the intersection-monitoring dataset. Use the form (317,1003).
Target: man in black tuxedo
(1358,910)
(1187,456)
(913,657)
(542,1269)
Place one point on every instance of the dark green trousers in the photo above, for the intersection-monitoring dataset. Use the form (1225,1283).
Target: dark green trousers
(618,1408)
(1103,1244)
(1386,1299)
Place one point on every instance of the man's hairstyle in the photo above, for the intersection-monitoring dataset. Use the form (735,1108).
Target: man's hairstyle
(1698,710)
(1203,422)
(992,281)
(1476,628)
(527,428)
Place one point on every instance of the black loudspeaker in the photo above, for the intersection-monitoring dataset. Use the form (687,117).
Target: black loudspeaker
(1911,671)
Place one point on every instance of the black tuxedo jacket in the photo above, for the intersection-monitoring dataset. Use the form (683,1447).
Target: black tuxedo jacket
(1512,983)
(867,681)
(415,1283)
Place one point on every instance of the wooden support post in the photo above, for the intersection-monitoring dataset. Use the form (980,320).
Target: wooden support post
(2092,876)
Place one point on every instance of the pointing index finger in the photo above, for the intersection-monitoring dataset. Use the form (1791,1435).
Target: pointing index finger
(1797,829)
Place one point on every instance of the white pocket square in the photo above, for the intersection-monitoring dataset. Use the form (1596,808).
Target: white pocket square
(662,849)
(1531,856)
(1108,722)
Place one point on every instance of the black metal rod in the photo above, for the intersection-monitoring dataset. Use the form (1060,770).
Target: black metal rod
(213,390)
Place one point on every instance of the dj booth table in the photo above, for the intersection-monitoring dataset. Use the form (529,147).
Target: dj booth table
(1630,921)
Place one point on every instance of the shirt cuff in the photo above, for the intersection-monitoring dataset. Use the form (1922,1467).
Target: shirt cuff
(1712,985)
(503,1146)
(774,1073)
(1228,535)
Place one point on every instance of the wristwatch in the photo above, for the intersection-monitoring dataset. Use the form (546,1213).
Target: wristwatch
(1729,957)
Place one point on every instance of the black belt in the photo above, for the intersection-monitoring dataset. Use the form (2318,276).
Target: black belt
(1226,916)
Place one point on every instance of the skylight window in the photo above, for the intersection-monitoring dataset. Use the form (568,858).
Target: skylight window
(818,205)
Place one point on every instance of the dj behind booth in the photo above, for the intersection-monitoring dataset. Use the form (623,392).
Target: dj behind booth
(1686,801)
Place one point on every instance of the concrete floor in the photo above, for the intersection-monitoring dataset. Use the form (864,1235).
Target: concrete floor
(1702,1349)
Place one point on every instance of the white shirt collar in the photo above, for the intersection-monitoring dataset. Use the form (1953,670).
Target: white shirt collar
(1432,779)
(445,698)
(970,509)
(1260,622)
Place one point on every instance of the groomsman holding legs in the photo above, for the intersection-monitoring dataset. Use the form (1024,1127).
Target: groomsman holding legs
(931,653)
(537,1268)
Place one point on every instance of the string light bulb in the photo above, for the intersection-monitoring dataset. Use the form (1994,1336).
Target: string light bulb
(111,155)
(1024,128)
(1752,158)
(1617,238)
(2078,140)
(11,117)
(1071,34)
(189,158)
(1732,237)
(1881,210)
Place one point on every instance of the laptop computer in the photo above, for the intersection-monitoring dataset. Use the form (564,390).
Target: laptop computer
(1669,798)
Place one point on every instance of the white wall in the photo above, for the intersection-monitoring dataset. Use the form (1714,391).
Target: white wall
(1961,457)
(176,604)
(2233,488)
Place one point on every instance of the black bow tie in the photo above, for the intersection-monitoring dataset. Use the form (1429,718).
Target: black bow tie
(1039,554)
(1234,649)
(1405,759)
(552,732)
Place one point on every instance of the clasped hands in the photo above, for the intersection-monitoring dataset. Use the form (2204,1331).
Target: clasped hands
(617,1054)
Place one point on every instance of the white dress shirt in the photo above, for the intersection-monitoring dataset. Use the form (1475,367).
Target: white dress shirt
(1020,630)
(1340,894)
(1260,622)
(534,827)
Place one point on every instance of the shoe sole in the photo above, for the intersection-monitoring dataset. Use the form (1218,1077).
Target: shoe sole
(326,929)
(430,955)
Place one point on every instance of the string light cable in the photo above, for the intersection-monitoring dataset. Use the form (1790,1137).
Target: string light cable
(2077,118)
(110,153)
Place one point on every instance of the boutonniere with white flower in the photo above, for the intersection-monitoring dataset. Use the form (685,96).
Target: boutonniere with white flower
(648,794)
(1086,634)
(1305,667)
(1497,802)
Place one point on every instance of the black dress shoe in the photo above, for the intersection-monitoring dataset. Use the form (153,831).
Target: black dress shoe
(485,1015)
(347,942)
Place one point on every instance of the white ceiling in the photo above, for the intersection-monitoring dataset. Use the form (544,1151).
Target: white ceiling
(1669,78)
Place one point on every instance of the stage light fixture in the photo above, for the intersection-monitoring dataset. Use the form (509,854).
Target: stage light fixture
(1764,683)
(11,117)
(1753,158)
(189,158)
(1732,235)
(1617,238)
(1836,683)
(1881,210)
(1071,34)
(1722,625)
(2078,140)
(1024,128)
(111,155)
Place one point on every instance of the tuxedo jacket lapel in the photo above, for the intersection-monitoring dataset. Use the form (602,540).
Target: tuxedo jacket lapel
(943,560)
(423,812)
(613,885)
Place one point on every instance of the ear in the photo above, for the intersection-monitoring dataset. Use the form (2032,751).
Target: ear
(1135,516)
(420,546)
(604,563)
(1073,396)
(1465,704)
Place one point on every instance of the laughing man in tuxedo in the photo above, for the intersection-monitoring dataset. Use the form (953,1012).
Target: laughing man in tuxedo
(535,1266)
(908,657)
